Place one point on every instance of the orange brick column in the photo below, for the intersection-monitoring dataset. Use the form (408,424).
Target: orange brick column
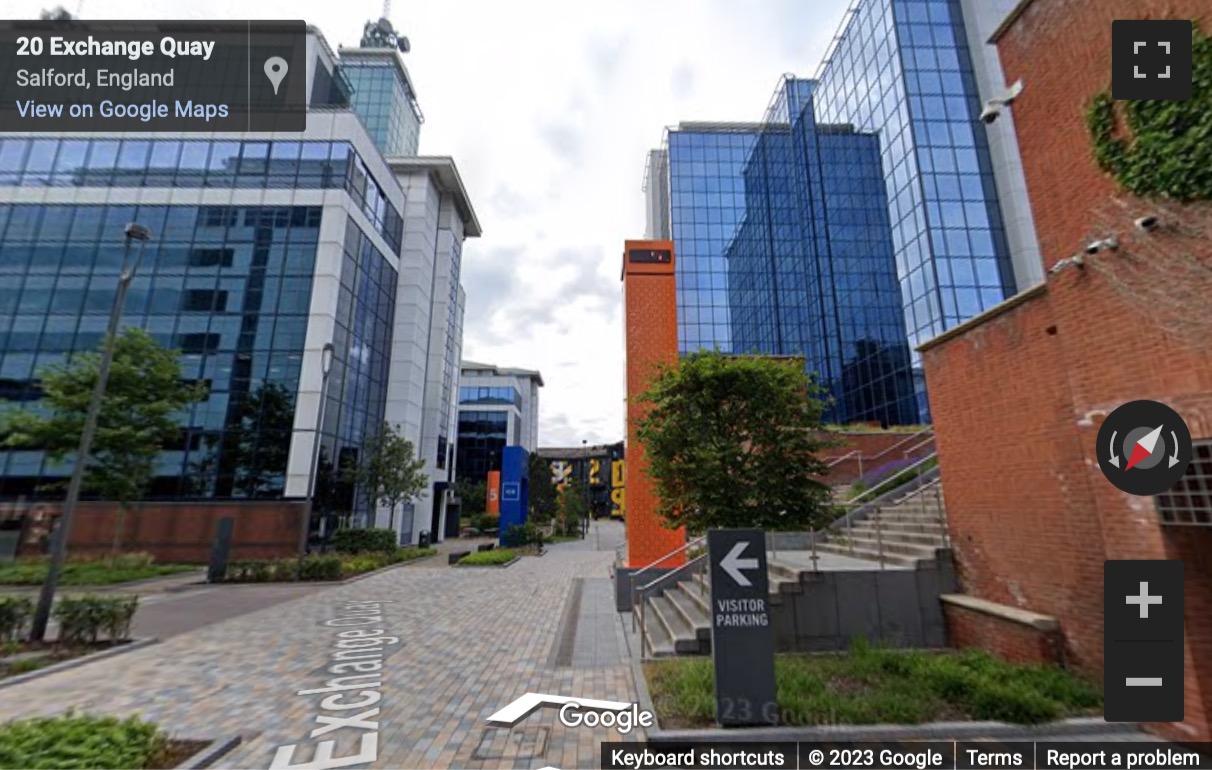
(651,329)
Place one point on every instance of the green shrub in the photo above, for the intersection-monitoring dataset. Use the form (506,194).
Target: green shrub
(137,560)
(410,553)
(522,535)
(365,540)
(15,612)
(487,558)
(320,568)
(355,565)
(1013,702)
(72,741)
(250,571)
(82,619)
(486,522)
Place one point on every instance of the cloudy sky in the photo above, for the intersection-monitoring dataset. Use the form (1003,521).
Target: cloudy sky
(548,107)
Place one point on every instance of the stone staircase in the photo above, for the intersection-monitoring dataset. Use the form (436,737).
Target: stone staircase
(909,529)
(678,621)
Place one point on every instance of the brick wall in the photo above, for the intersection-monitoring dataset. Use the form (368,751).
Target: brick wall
(180,533)
(1018,395)
(1015,642)
(651,327)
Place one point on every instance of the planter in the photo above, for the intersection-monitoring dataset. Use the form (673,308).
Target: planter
(490,566)
(109,652)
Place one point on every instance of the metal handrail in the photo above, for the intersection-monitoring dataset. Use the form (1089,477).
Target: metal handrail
(688,544)
(918,446)
(834,461)
(850,503)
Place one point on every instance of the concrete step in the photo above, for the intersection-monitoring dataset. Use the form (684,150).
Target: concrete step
(842,549)
(685,639)
(660,644)
(871,531)
(924,528)
(872,543)
(898,516)
(695,615)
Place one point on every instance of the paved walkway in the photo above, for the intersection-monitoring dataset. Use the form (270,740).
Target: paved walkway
(470,641)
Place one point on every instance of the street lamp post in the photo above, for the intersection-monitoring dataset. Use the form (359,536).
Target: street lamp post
(133,232)
(325,368)
(588,494)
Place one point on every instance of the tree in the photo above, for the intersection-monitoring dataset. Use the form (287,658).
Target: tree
(733,441)
(572,507)
(389,473)
(143,396)
(543,502)
(473,496)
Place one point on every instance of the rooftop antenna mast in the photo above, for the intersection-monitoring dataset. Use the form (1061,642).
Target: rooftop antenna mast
(380,34)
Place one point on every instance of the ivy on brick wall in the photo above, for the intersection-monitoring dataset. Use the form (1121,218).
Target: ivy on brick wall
(1159,148)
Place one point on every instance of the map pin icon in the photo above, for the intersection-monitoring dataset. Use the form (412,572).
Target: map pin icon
(275,70)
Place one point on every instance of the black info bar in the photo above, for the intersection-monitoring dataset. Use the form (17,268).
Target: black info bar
(1094,754)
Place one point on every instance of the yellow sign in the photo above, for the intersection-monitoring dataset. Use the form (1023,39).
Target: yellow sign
(618,495)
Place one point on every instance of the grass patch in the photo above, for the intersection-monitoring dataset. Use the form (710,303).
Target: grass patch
(75,741)
(89,573)
(867,428)
(882,686)
(44,654)
(495,557)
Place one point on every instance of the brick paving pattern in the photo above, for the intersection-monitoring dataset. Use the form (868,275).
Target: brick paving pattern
(471,641)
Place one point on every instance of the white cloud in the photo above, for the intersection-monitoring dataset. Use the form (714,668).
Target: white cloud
(549,107)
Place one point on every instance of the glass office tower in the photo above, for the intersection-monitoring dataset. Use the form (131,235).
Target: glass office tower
(811,270)
(902,70)
(784,248)
(264,248)
(706,165)
(228,286)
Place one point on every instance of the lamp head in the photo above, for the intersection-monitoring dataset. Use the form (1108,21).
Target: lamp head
(137,232)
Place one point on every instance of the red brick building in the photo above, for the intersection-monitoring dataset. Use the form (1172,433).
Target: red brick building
(1018,394)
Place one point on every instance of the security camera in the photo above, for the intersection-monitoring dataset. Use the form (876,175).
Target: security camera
(1094,247)
(993,106)
(1147,224)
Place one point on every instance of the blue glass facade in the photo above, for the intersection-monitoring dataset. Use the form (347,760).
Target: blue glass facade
(496,396)
(228,286)
(482,437)
(36,162)
(384,102)
(357,386)
(811,269)
(707,203)
(902,70)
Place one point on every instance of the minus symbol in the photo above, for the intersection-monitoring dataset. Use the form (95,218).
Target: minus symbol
(1144,681)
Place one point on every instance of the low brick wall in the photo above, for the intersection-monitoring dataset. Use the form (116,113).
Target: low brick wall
(179,533)
(877,450)
(1012,634)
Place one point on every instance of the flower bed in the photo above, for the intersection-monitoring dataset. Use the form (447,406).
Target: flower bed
(88,741)
(325,567)
(881,686)
(87,624)
(94,571)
